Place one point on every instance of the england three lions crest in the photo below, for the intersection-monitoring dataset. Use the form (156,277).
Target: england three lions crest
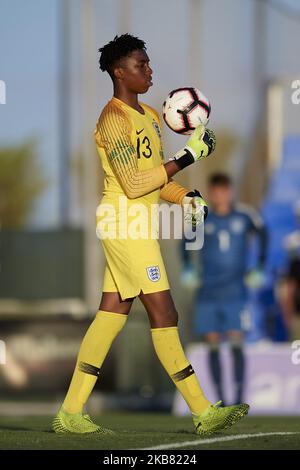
(153,273)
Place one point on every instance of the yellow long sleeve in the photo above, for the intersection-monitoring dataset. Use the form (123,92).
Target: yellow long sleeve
(173,192)
(113,133)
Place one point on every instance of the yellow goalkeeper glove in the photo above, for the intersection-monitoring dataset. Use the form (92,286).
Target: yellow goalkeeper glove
(195,209)
(201,143)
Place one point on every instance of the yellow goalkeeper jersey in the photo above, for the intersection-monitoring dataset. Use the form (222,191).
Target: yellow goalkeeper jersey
(130,148)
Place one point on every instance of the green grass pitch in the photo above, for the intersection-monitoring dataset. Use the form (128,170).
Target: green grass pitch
(137,431)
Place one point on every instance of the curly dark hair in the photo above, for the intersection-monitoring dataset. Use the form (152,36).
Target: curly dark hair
(119,47)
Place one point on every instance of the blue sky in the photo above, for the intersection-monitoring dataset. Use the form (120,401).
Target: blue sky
(28,65)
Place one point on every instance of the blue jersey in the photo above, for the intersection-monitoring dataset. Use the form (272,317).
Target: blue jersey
(224,256)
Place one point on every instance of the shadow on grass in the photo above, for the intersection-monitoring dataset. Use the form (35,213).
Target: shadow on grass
(23,428)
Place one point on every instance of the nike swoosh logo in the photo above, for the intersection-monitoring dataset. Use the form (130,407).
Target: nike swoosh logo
(139,132)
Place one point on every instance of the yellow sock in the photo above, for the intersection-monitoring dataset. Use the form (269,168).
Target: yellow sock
(168,348)
(93,350)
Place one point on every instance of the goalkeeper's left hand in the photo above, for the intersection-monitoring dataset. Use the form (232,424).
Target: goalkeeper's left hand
(195,209)
(200,144)
(255,278)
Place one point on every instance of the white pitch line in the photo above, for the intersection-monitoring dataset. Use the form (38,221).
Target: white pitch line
(235,437)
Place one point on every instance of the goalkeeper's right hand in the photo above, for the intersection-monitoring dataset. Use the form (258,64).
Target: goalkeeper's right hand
(200,144)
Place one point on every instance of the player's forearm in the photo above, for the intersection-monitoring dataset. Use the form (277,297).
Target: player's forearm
(140,183)
(173,192)
(137,183)
(171,168)
(143,182)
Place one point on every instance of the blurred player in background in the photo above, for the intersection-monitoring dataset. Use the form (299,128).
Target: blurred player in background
(222,295)
(128,138)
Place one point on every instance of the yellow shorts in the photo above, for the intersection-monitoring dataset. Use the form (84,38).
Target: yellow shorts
(133,266)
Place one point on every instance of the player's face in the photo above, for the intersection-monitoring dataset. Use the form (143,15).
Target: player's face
(220,195)
(137,74)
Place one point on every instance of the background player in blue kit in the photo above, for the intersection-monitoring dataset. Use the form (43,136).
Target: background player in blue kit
(224,274)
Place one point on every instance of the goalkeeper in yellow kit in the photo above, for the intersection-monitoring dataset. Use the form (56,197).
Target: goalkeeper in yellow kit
(128,140)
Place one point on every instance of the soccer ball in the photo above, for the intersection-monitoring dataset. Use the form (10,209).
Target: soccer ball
(185,109)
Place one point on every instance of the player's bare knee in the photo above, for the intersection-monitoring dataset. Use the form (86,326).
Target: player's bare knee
(169,316)
(173,316)
(112,302)
(163,318)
